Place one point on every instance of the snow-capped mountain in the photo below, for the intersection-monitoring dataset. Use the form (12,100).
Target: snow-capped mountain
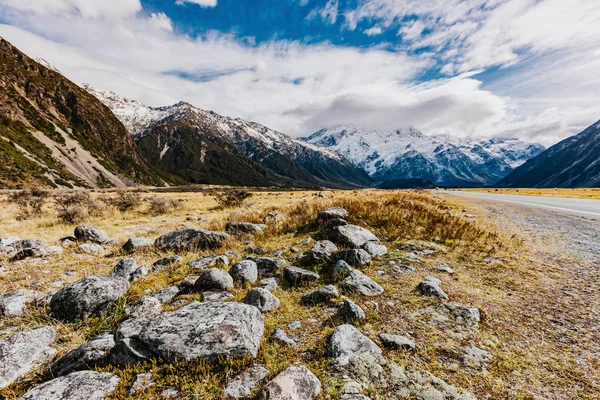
(164,134)
(408,153)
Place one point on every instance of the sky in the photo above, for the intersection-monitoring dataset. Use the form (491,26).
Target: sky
(471,68)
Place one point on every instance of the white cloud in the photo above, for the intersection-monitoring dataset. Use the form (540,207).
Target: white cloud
(329,13)
(85,8)
(201,3)
(374,31)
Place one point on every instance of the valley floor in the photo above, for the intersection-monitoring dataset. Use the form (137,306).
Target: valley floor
(536,287)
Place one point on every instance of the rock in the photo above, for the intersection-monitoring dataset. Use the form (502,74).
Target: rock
(396,341)
(216,297)
(281,337)
(144,308)
(167,294)
(187,285)
(430,289)
(347,341)
(170,393)
(256,250)
(306,241)
(205,331)
(444,268)
(294,383)
(209,261)
(341,270)
(333,212)
(353,391)
(475,357)
(245,271)
(374,249)
(67,241)
(85,233)
(135,244)
(355,257)
(55,250)
(351,312)
(277,253)
(124,268)
(166,262)
(24,351)
(232,254)
(246,382)
(89,385)
(357,281)
(9,240)
(267,266)
(28,244)
(15,303)
(244,227)
(32,252)
(90,248)
(262,299)
(464,315)
(139,273)
(297,276)
(214,279)
(85,356)
(57,284)
(272,218)
(350,236)
(7,250)
(90,296)
(128,348)
(141,383)
(433,280)
(269,284)
(322,252)
(191,240)
(322,295)
(294,325)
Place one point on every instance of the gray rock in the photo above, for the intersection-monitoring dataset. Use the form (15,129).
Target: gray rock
(351,312)
(321,295)
(141,383)
(232,254)
(28,244)
(89,385)
(85,233)
(246,382)
(57,284)
(187,285)
(355,257)
(374,249)
(341,270)
(294,383)
(430,289)
(15,303)
(245,271)
(85,356)
(350,236)
(333,212)
(167,294)
(322,252)
(444,268)
(124,268)
(297,276)
(31,252)
(216,297)
(128,348)
(433,279)
(9,240)
(244,227)
(464,315)
(475,357)
(209,262)
(23,352)
(139,273)
(359,282)
(7,250)
(205,331)
(214,279)
(269,284)
(256,250)
(306,241)
(262,299)
(268,266)
(396,341)
(135,244)
(90,248)
(170,393)
(295,325)
(191,240)
(280,336)
(90,296)
(347,341)
(145,307)
(353,391)
(55,250)
(166,262)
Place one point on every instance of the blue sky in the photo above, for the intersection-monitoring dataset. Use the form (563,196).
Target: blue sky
(471,68)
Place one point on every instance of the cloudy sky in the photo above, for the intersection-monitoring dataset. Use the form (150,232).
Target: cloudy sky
(513,68)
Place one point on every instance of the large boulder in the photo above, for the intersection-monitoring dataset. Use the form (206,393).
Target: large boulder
(86,233)
(23,352)
(359,282)
(321,295)
(15,303)
(145,307)
(351,236)
(322,252)
(128,348)
(347,341)
(89,385)
(355,257)
(297,276)
(374,249)
(268,266)
(90,296)
(30,248)
(244,227)
(244,271)
(214,279)
(431,289)
(294,383)
(134,244)
(85,356)
(262,299)
(205,331)
(333,212)
(191,240)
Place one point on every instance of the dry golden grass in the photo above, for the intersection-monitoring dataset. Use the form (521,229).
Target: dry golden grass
(589,193)
(530,362)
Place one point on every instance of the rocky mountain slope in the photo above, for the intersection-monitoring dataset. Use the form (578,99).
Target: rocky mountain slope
(204,147)
(574,162)
(407,153)
(55,134)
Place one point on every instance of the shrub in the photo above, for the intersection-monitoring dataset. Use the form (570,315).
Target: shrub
(30,202)
(75,207)
(125,201)
(160,205)
(232,198)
